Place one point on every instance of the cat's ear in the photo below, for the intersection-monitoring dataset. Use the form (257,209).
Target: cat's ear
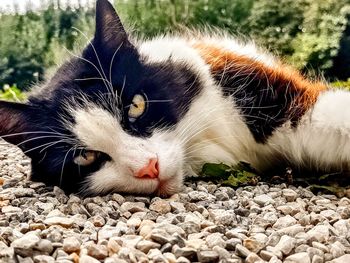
(110,32)
(14,121)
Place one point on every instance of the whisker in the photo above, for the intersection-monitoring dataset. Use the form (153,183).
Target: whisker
(38,147)
(38,138)
(31,132)
(64,161)
(97,57)
(52,144)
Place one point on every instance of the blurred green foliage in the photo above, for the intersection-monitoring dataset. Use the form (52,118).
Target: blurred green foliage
(11,93)
(312,35)
(341,84)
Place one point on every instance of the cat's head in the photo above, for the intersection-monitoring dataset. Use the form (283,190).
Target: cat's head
(106,120)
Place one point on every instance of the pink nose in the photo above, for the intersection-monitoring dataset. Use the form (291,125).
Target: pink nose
(151,170)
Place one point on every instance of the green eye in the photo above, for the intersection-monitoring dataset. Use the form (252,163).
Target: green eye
(137,107)
(86,158)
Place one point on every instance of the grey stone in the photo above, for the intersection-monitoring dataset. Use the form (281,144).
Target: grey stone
(97,251)
(291,230)
(10,209)
(43,259)
(186,252)
(319,233)
(253,245)
(161,237)
(215,239)
(25,259)
(285,245)
(160,206)
(342,259)
(320,246)
(177,207)
(314,251)
(301,248)
(284,222)
(337,249)
(253,258)
(45,246)
(190,227)
(223,217)
(6,253)
(207,256)
(266,255)
(232,242)
(145,245)
(274,259)
(263,200)
(317,259)
(71,244)
(196,196)
(24,246)
(169,228)
(62,221)
(183,260)
(330,214)
(133,207)
(106,232)
(289,194)
(302,257)
(242,251)
(342,226)
(88,259)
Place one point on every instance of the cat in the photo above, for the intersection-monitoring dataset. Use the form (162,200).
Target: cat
(135,116)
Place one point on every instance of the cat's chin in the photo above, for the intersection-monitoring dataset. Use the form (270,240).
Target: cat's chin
(167,188)
(162,187)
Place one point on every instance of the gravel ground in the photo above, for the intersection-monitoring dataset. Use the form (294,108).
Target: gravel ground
(205,223)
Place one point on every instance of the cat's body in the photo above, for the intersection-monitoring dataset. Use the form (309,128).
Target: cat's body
(139,117)
(253,108)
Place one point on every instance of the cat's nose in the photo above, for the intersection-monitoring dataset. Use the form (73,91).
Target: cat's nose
(151,170)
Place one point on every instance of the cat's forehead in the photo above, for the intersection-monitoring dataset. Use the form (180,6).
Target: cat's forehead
(123,73)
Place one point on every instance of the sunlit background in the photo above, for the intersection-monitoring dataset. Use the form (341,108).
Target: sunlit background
(312,35)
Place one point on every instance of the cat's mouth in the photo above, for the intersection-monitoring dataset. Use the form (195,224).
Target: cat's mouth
(163,187)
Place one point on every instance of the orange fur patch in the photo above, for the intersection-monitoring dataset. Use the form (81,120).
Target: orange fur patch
(281,78)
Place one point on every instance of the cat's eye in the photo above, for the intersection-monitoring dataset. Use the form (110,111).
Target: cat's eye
(137,107)
(86,158)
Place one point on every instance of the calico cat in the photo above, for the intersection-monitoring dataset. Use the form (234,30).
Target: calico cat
(135,117)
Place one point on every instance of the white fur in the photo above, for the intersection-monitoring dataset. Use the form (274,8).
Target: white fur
(322,140)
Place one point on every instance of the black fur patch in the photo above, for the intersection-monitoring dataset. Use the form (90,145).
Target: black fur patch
(265,106)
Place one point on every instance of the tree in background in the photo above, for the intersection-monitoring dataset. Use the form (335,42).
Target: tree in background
(30,42)
(318,44)
(312,35)
(341,62)
(275,23)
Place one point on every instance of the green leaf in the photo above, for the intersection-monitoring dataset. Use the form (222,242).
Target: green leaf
(238,175)
(216,170)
